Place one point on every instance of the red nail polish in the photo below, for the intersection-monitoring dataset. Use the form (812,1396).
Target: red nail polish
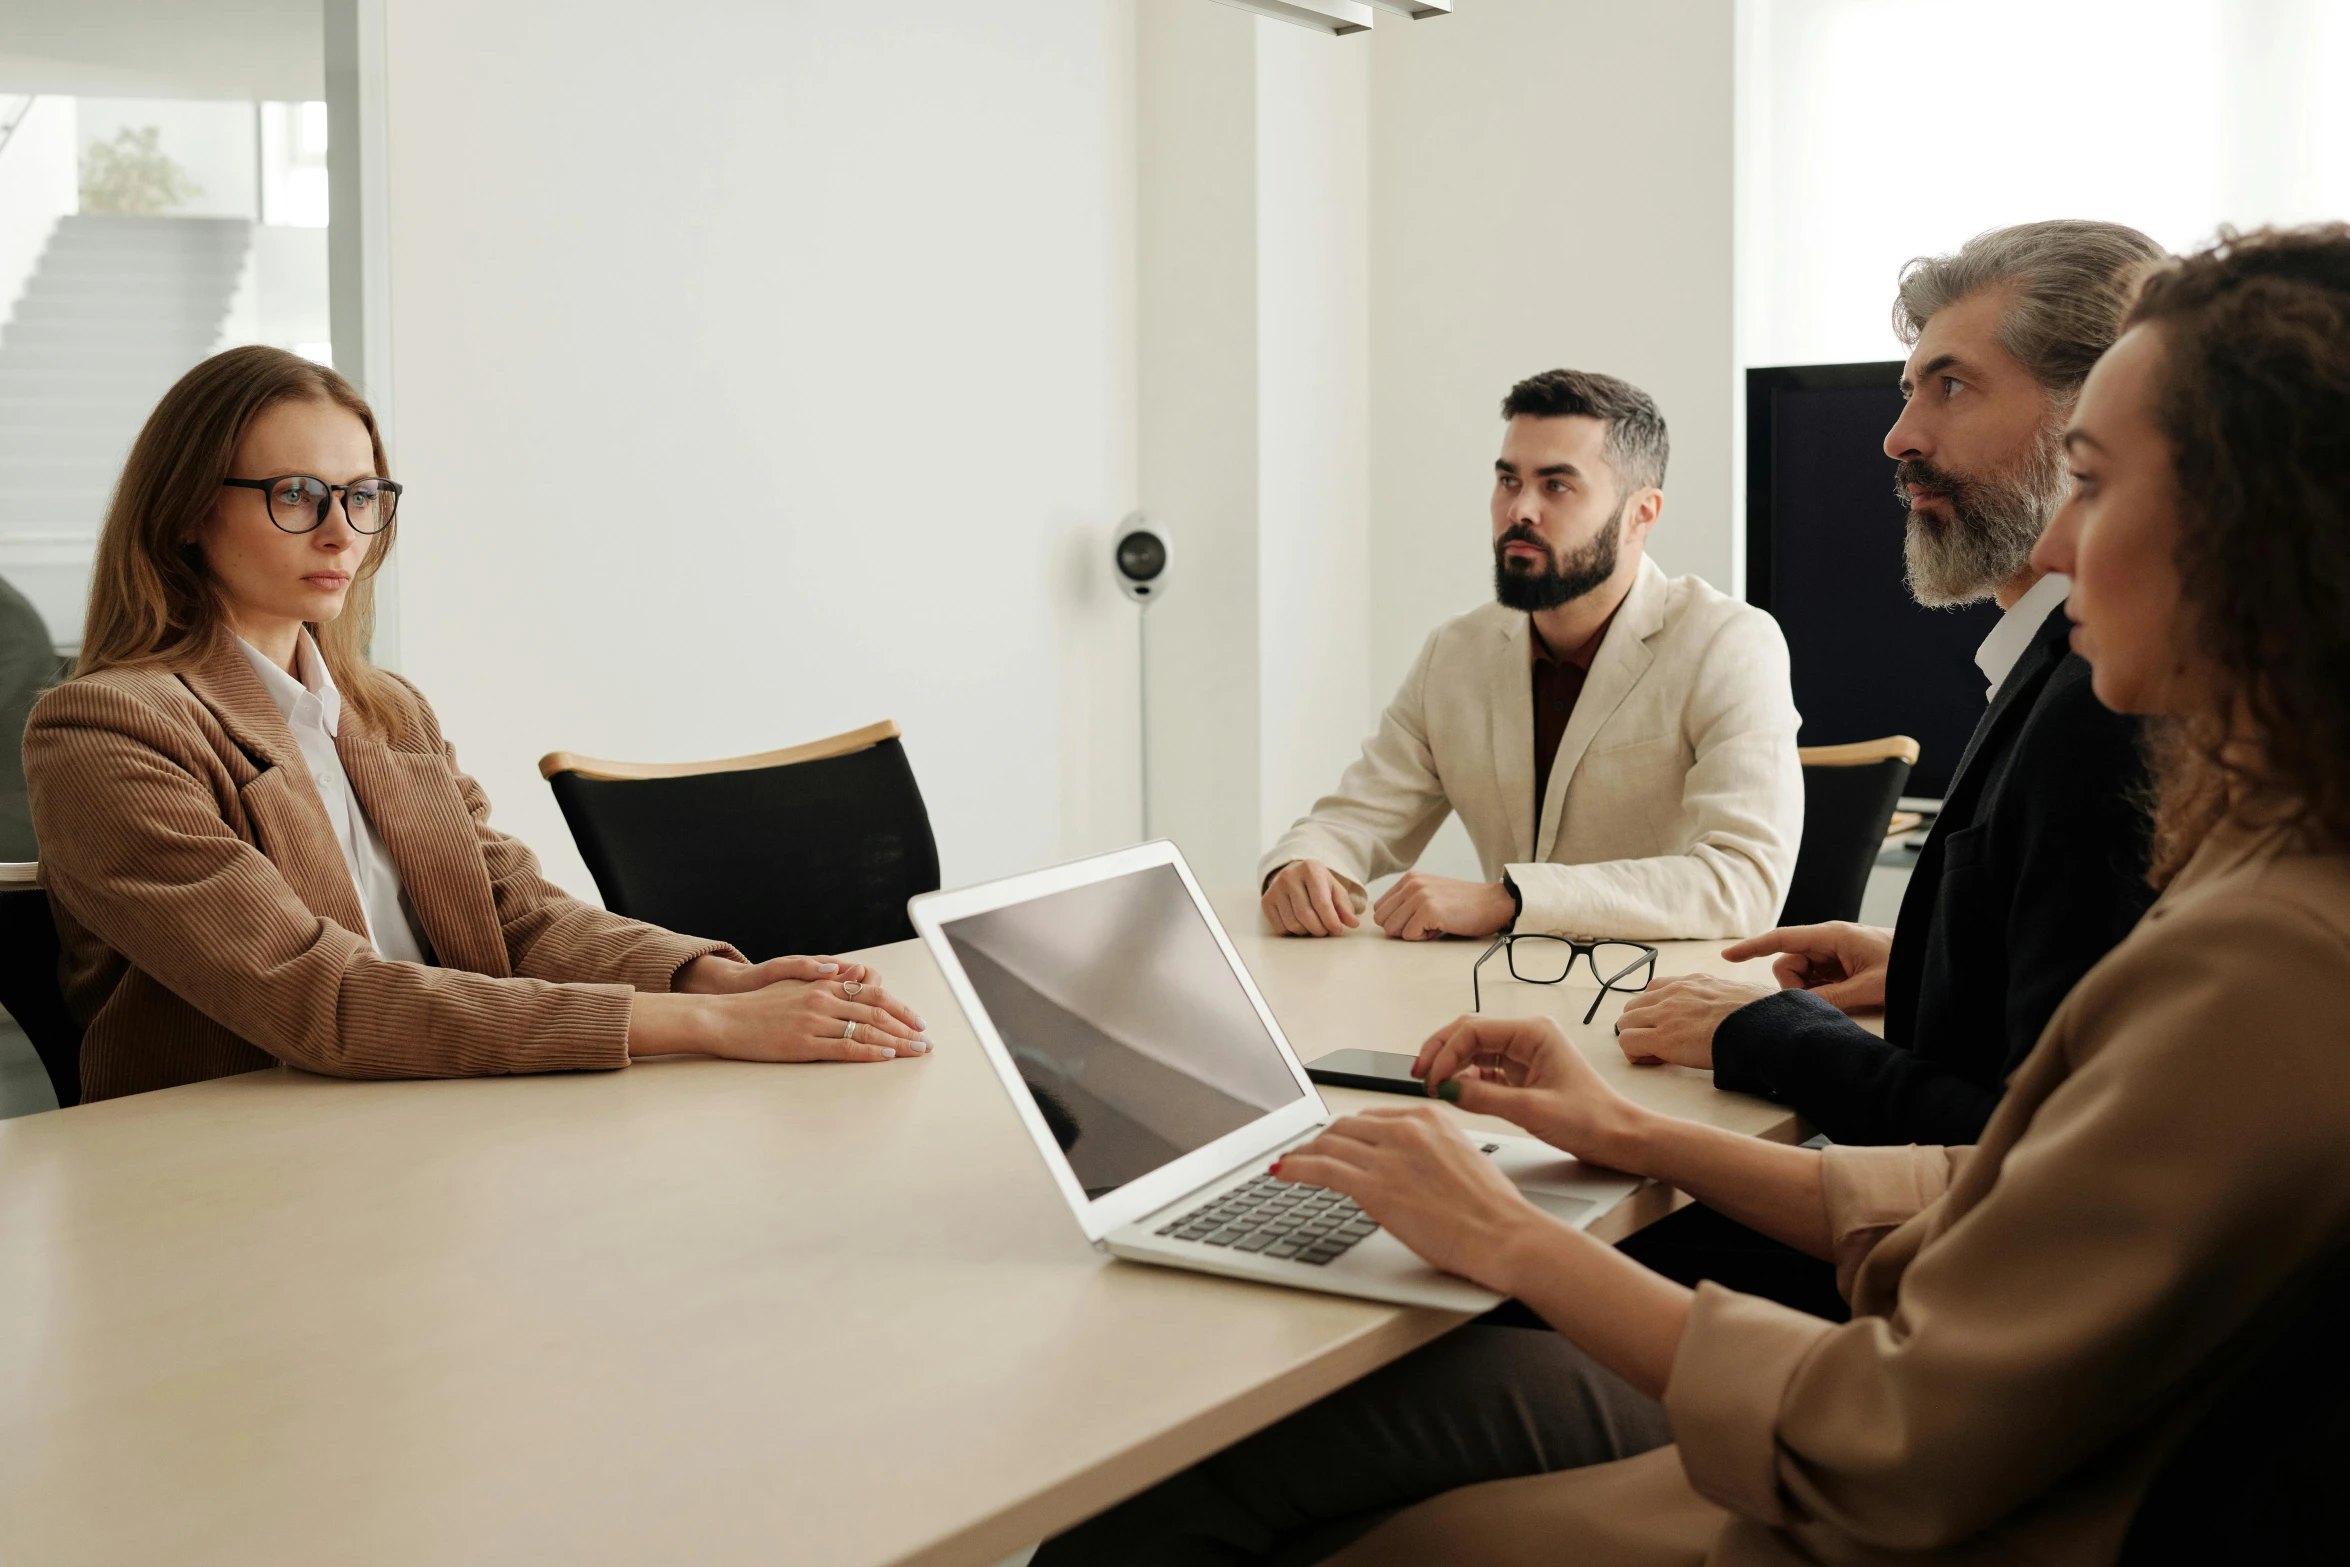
(1274,1168)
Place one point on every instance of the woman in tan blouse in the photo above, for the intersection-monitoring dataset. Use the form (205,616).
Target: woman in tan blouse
(259,848)
(2037,1320)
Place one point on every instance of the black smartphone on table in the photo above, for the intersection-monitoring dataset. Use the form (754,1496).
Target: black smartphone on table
(1381,1071)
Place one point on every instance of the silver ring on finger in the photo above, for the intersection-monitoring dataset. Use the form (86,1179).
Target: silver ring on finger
(849,1032)
(851,988)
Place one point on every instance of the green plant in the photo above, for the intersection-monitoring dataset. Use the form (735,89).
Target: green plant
(133,174)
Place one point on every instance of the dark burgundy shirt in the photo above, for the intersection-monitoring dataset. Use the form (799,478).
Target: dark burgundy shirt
(1558,682)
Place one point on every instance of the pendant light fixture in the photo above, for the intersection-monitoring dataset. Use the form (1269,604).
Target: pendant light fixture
(1341,16)
(1327,16)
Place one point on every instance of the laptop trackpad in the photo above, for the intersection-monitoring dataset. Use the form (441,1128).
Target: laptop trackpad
(1569,1190)
(1565,1209)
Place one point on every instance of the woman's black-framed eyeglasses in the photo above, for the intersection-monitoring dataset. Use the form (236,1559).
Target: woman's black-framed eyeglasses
(1545,960)
(298,503)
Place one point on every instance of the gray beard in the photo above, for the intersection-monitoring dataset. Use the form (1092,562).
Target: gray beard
(1994,523)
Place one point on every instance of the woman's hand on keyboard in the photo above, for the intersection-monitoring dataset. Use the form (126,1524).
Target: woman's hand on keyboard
(1413,1172)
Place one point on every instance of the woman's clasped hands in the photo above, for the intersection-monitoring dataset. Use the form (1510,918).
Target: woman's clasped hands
(785,1009)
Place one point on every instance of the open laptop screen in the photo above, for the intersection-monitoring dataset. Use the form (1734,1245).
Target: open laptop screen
(1127,1024)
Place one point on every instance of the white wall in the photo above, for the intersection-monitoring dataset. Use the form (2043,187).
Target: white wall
(764,371)
(1550,186)
(2171,115)
(1546,182)
(1313,414)
(740,408)
(1254,359)
(1196,217)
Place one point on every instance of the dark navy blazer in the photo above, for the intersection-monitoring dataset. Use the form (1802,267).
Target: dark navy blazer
(2034,870)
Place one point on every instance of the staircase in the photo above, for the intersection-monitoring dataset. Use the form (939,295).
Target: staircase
(119,307)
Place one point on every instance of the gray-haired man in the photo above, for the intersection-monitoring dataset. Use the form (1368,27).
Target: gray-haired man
(2036,866)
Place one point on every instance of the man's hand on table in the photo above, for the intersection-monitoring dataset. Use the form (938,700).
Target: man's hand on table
(1841,963)
(1673,1020)
(1421,908)
(1306,898)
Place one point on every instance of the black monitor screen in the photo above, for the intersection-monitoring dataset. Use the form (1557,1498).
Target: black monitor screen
(1824,532)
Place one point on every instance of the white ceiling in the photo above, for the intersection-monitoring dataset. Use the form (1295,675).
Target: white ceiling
(163,48)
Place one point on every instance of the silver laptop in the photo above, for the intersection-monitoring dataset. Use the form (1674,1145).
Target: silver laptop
(1157,1085)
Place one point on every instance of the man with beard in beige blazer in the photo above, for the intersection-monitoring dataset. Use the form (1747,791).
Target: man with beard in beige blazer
(1619,744)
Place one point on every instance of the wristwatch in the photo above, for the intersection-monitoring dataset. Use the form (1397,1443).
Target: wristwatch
(1517,901)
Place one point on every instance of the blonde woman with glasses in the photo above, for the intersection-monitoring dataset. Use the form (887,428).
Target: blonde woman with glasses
(259,849)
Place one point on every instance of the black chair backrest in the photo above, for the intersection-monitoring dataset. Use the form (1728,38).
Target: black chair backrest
(814,849)
(1849,792)
(2254,1480)
(28,988)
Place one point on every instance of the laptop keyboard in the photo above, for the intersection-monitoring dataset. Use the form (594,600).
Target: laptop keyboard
(1309,1224)
(1274,1218)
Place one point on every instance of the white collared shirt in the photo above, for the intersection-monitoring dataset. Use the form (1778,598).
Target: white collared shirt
(314,710)
(1996,658)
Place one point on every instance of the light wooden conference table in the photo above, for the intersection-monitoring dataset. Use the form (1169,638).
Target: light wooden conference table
(693,1311)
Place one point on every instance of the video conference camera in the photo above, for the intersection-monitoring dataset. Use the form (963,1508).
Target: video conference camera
(1141,560)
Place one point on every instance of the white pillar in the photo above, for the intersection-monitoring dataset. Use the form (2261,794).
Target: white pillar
(1253,304)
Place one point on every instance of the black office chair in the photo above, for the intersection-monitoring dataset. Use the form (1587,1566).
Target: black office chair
(2255,1479)
(811,849)
(1849,792)
(28,988)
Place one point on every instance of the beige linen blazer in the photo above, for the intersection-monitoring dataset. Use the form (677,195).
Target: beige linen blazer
(1675,804)
(2039,1319)
(209,922)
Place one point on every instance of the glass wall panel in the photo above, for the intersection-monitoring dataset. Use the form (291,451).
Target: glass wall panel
(163,195)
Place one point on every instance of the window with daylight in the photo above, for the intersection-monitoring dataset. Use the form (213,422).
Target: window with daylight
(1877,130)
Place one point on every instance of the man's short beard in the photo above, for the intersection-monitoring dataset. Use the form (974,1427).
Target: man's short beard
(1994,522)
(1559,581)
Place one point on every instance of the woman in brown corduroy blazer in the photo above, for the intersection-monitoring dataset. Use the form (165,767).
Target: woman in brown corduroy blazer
(2038,1319)
(229,798)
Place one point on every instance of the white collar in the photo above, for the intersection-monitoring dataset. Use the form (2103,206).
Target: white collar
(316,685)
(1996,658)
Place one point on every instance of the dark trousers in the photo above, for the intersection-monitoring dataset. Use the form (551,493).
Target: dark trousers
(1697,1243)
(1484,1402)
